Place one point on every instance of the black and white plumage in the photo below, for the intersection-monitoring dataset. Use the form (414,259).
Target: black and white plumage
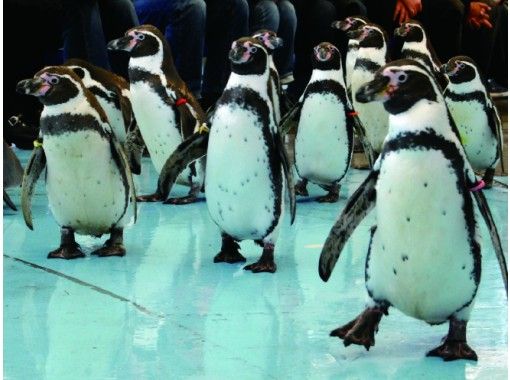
(165,110)
(324,138)
(372,55)
(417,46)
(13,174)
(247,167)
(475,115)
(88,181)
(424,254)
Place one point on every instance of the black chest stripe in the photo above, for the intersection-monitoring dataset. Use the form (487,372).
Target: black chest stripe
(66,122)
(366,64)
(101,94)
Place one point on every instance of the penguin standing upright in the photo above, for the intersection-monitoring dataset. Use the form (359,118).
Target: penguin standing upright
(424,252)
(323,147)
(112,93)
(418,47)
(13,174)
(351,23)
(372,54)
(272,42)
(475,115)
(246,161)
(165,110)
(88,181)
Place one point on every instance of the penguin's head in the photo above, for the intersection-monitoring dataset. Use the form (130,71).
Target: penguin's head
(79,67)
(399,85)
(52,85)
(326,57)
(369,35)
(140,41)
(349,23)
(269,39)
(460,69)
(410,31)
(248,56)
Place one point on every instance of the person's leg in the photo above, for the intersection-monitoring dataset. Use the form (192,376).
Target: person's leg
(284,57)
(264,15)
(227,20)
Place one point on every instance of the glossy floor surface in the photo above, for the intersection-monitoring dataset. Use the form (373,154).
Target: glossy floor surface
(166,311)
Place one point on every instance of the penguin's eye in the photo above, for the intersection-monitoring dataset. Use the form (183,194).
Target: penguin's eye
(402,77)
(462,65)
(54,80)
(252,49)
(140,37)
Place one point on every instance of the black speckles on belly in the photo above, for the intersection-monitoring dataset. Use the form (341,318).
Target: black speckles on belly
(394,271)
(463,267)
(245,139)
(408,219)
(98,182)
(383,248)
(425,184)
(444,212)
(405,258)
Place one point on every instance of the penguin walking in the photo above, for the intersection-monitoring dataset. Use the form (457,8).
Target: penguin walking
(417,46)
(13,174)
(475,115)
(372,55)
(165,110)
(88,181)
(247,166)
(112,93)
(421,184)
(323,147)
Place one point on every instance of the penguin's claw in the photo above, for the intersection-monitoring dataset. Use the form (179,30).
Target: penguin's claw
(262,266)
(110,250)
(300,189)
(149,198)
(66,252)
(230,257)
(328,198)
(452,350)
(181,201)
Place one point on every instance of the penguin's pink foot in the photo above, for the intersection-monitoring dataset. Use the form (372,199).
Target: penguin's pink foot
(67,252)
(362,329)
(455,346)
(149,198)
(300,188)
(181,201)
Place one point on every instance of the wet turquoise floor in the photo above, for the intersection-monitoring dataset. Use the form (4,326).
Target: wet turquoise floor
(165,311)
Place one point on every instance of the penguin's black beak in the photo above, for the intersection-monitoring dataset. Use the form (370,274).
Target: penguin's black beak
(401,31)
(126,43)
(35,87)
(277,42)
(237,54)
(374,90)
(341,25)
(322,54)
(355,34)
(449,69)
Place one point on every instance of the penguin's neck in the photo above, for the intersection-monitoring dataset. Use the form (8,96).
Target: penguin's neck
(377,55)
(257,82)
(270,60)
(150,63)
(424,114)
(352,45)
(320,75)
(466,87)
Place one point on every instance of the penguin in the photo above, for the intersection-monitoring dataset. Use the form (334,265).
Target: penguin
(421,184)
(13,174)
(324,138)
(272,42)
(247,166)
(475,115)
(165,110)
(349,24)
(88,182)
(417,46)
(112,92)
(372,55)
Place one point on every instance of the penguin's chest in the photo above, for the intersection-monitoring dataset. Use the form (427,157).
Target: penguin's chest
(322,152)
(115,119)
(157,121)
(476,136)
(350,60)
(241,189)
(421,258)
(84,185)
(275,99)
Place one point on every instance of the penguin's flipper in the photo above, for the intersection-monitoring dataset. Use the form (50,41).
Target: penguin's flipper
(289,122)
(9,202)
(134,147)
(122,163)
(497,127)
(13,171)
(35,167)
(360,132)
(287,169)
(357,207)
(496,242)
(188,151)
(285,102)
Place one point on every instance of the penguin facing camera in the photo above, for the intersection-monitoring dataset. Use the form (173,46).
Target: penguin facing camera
(165,109)
(324,138)
(13,174)
(476,116)
(89,185)
(421,184)
(247,166)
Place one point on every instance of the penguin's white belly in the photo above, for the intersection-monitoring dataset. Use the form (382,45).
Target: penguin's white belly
(350,60)
(115,119)
(476,136)
(322,152)
(158,125)
(84,185)
(240,194)
(420,259)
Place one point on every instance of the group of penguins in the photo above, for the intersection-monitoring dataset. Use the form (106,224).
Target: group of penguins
(424,128)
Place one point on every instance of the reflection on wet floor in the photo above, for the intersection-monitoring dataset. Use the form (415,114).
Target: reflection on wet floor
(166,311)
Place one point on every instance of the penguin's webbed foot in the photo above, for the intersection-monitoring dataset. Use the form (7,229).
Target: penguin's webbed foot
(266,262)
(332,195)
(230,257)
(451,350)
(300,188)
(149,198)
(181,201)
(362,329)
(67,252)
(110,250)
(488,178)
